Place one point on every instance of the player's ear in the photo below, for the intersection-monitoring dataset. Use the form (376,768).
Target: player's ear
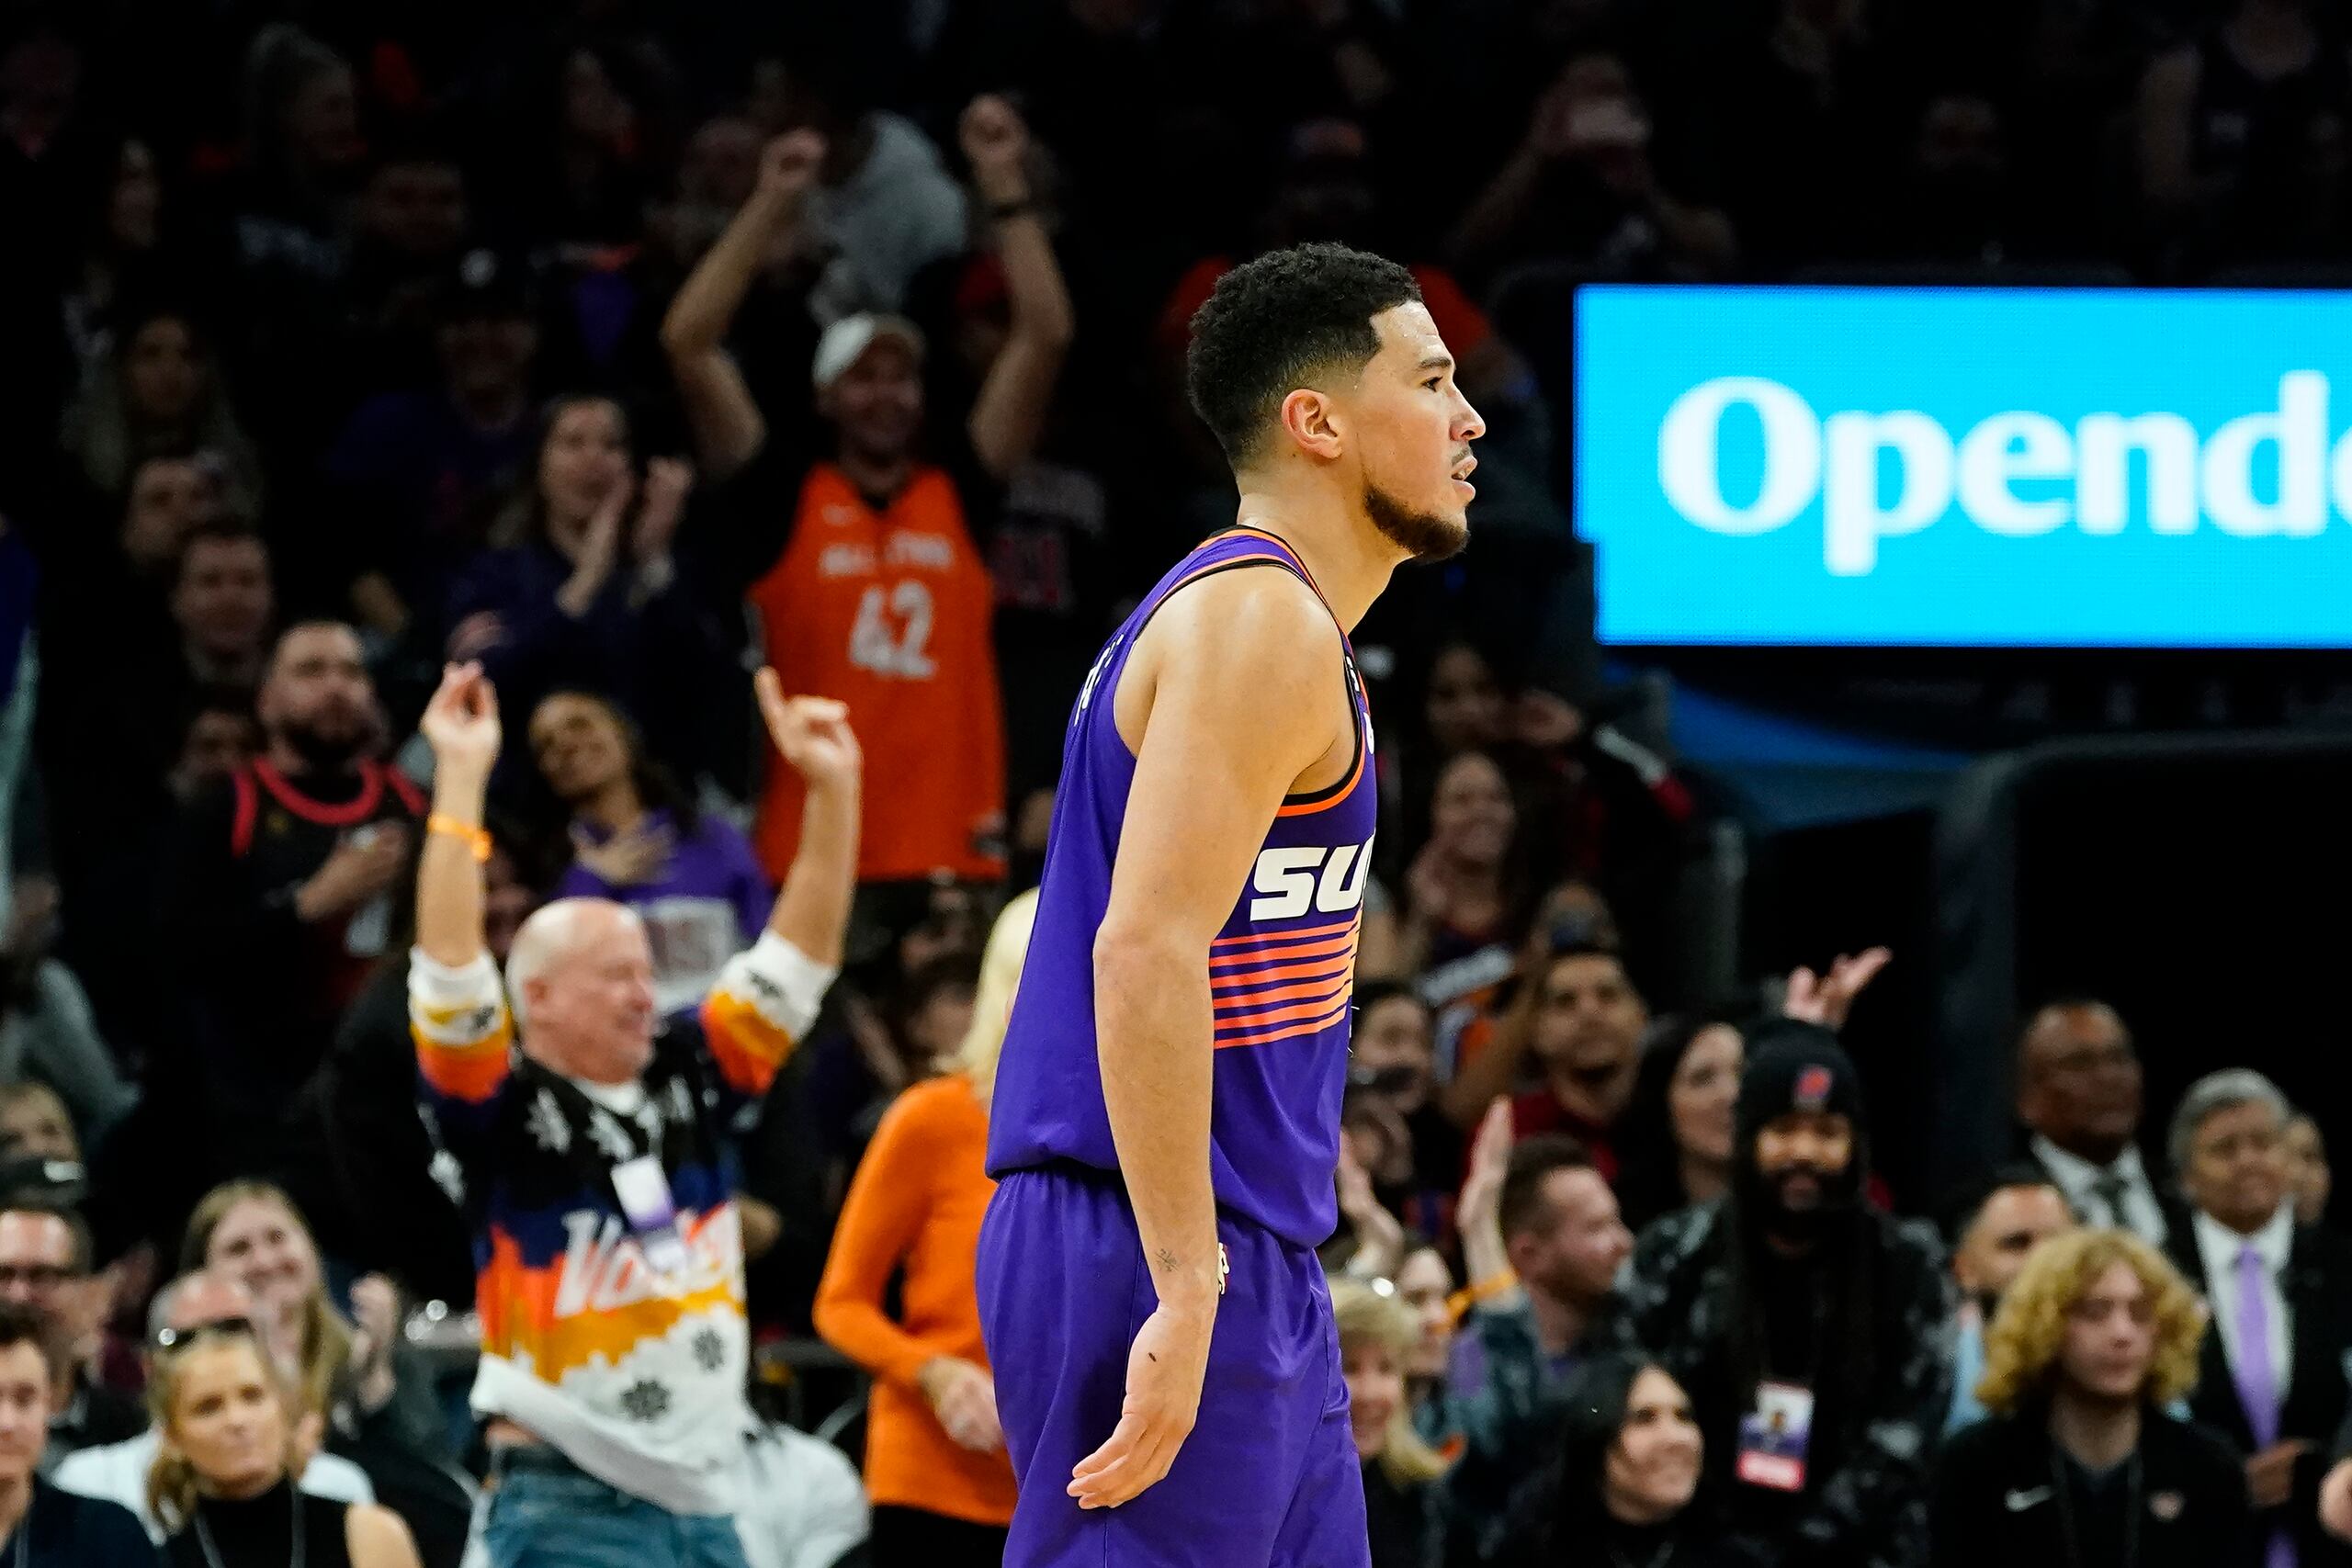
(1311,420)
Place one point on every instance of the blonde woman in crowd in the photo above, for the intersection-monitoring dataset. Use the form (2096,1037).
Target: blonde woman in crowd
(936,1465)
(232,1437)
(2079,1465)
(1379,1336)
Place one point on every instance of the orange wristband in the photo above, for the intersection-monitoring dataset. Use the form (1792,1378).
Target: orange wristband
(477,839)
(1463,1299)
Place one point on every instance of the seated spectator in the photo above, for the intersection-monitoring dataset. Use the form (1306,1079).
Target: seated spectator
(35,1124)
(415,471)
(2079,1097)
(1558,1225)
(2014,1212)
(220,739)
(1811,1330)
(2080,1461)
(1677,1132)
(1377,1336)
(47,1030)
(641,839)
(935,1466)
(1394,1062)
(1585,188)
(1425,1284)
(231,1426)
(1620,1481)
(47,1266)
(161,393)
(1462,893)
(2272,1364)
(222,605)
(1461,703)
(579,589)
(350,1372)
(882,1050)
(1578,1021)
(2308,1176)
(42,1527)
(380,1406)
(865,564)
(279,899)
(191,1306)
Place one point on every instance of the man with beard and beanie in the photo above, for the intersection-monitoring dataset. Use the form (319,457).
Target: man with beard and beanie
(1812,1331)
(280,901)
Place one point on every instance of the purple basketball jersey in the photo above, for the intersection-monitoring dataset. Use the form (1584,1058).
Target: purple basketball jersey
(1280,971)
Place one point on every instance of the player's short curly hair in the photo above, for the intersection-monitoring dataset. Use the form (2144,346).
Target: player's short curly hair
(2022,1344)
(1275,324)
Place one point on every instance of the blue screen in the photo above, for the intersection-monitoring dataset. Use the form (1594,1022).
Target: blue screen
(1941,466)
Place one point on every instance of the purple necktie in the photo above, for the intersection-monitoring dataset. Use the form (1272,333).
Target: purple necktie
(2257,1384)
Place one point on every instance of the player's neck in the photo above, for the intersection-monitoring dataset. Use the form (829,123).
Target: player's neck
(1348,561)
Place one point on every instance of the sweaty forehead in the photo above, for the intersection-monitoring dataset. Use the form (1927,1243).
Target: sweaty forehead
(1408,336)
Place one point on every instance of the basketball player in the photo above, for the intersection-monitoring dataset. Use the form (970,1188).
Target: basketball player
(1166,1118)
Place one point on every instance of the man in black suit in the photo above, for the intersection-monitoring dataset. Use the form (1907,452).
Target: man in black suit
(2079,1097)
(2271,1368)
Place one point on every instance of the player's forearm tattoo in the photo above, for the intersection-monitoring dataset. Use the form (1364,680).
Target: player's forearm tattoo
(1165,1258)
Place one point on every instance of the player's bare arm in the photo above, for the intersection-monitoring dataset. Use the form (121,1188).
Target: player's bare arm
(1232,700)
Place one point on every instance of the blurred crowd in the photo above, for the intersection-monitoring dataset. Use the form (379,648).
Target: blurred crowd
(620,350)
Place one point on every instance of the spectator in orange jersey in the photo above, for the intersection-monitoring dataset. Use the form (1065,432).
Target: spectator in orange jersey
(936,1465)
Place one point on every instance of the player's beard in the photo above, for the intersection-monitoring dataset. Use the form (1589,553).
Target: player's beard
(1424,536)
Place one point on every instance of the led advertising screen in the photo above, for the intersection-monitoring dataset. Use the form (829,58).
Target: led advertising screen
(1952,467)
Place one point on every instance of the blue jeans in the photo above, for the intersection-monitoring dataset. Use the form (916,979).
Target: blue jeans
(539,1519)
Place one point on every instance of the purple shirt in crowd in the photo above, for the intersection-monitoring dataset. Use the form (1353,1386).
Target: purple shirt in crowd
(708,903)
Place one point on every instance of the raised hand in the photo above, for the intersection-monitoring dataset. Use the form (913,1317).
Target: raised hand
(1490,1148)
(1828,999)
(789,162)
(376,1329)
(667,480)
(812,733)
(997,145)
(461,721)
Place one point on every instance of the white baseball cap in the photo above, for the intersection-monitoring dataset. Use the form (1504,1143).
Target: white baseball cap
(849,337)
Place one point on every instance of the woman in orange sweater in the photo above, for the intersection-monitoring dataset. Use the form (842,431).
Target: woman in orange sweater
(935,1466)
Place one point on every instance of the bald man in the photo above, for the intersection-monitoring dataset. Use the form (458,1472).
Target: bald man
(591,1139)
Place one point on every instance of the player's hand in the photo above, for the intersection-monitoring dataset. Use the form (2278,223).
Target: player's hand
(2336,1500)
(1827,999)
(460,722)
(1165,1369)
(964,1398)
(812,733)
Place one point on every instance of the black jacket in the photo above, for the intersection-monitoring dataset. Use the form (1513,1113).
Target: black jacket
(2317,1285)
(1997,1498)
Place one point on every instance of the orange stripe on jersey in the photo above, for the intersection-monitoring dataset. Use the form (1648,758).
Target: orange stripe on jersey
(1235,965)
(1232,987)
(1317,987)
(1288,1032)
(1248,1021)
(747,1048)
(1300,934)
